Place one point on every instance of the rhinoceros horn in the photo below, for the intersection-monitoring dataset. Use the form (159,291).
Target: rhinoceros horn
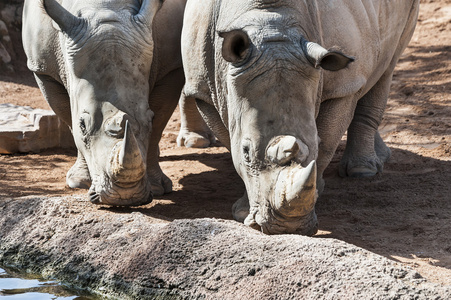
(128,165)
(148,10)
(296,191)
(332,60)
(65,20)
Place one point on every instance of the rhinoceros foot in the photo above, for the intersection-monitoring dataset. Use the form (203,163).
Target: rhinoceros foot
(240,209)
(119,196)
(191,139)
(358,163)
(382,150)
(360,166)
(78,176)
(351,166)
(160,184)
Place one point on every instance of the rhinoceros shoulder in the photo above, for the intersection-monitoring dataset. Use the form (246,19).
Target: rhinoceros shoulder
(167,30)
(39,39)
(197,54)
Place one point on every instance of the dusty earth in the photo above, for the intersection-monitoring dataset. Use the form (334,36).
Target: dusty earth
(403,214)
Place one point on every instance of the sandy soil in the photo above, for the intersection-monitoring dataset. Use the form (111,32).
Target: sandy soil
(403,213)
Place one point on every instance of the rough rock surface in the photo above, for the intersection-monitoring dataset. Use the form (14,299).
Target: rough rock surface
(24,129)
(138,256)
(10,24)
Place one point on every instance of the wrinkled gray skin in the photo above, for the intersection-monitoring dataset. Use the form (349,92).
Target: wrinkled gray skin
(265,84)
(111,69)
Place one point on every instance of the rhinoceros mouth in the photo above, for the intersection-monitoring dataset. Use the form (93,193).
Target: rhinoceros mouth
(274,223)
(109,193)
(288,205)
(125,181)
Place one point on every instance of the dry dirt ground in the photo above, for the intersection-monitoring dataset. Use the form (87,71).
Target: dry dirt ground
(403,213)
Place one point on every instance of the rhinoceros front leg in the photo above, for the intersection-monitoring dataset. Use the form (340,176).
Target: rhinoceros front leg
(78,175)
(366,152)
(333,119)
(163,101)
(56,96)
(194,132)
(240,209)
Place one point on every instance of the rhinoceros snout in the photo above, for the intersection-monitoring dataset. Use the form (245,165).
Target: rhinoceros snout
(105,192)
(124,181)
(286,148)
(115,125)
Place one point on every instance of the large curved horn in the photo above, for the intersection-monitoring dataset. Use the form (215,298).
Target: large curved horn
(331,60)
(128,165)
(295,192)
(65,20)
(148,10)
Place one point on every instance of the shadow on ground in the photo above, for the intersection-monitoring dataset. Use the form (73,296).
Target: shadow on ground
(205,194)
(403,212)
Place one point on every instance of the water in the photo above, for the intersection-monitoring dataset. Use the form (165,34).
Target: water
(17,286)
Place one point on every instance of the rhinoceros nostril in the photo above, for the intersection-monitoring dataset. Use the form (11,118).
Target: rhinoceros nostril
(303,152)
(283,149)
(292,150)
(94,197)
(115,126)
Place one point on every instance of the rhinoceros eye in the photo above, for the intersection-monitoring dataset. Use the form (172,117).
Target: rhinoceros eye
(246,155)
(84,123)
(246,148)
(83,127)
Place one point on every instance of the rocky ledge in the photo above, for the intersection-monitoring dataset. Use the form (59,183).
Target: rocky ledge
(26,129)
(10,26)
(132,254)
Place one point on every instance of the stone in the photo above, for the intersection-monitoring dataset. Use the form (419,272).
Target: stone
(140,255)
(24,129)
(9,14)
(5,42)
(10,26)
(4,55)
(3,29)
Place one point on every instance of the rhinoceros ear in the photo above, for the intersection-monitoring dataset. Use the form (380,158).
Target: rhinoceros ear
(235,45)
(331,60)
(63,18)
(148,10)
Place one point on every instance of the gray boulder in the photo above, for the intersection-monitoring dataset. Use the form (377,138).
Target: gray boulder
(131,255)
(25,129)
(10,24)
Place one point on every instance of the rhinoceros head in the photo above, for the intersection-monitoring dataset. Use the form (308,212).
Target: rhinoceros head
(107,48)
(270,82)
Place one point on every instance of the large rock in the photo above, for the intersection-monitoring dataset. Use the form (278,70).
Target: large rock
(137,256)
(10,26)
(5,57)
(25,129)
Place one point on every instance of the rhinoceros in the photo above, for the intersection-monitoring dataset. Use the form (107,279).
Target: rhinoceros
(112,70)
(280,82)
